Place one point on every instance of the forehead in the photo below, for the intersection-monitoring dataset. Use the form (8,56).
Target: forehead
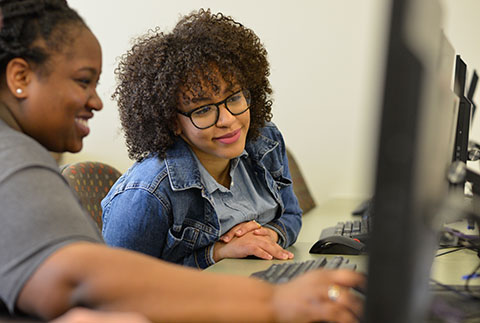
(82,52)
(200,87)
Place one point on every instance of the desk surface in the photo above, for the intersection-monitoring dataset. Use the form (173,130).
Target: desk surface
(447,269)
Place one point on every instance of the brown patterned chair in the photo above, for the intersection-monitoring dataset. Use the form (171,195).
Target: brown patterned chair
(91,181)
(299,186)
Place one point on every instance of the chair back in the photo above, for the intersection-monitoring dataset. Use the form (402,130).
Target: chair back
(91,181)
(300,188)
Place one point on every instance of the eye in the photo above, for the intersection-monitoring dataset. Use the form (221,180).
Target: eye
(202,111)
(83,82)
(235,97)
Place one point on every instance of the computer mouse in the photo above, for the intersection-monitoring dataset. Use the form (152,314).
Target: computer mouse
(340,245)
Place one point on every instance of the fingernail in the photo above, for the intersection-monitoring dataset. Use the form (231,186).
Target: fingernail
(285,256)
(239,232)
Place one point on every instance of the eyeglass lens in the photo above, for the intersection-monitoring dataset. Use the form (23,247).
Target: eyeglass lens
(207,115)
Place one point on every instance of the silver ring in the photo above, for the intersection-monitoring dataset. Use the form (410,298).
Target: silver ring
(333,292)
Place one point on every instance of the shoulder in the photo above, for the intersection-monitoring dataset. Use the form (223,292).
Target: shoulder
(144,174)
(270,141)
(271,131)
(19,151)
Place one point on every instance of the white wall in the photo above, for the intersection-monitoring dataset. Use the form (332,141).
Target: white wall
(462,27)
(326,61)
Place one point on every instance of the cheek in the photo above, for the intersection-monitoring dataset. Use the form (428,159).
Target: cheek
(245,119)
(183,125)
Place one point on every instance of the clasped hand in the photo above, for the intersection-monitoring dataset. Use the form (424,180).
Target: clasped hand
(249,239)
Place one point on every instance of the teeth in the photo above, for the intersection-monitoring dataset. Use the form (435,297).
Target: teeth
(83,122)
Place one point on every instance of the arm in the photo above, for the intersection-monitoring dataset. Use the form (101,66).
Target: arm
(138,220)
(135,219)
(102,278)
(121,280)
(289,223)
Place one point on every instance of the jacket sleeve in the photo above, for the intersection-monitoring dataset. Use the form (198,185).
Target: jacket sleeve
(135,219)
(138,220)
(289,223)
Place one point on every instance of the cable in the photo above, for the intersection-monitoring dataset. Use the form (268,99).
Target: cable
(450,251)
(468,295)
(469,277)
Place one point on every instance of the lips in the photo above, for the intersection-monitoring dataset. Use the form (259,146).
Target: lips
(82,126)
(230,138)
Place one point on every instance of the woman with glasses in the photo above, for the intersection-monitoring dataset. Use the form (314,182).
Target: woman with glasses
(211,179)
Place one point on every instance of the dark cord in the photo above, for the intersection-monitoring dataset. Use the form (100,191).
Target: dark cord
(474,272)
(450,251)
(468,295)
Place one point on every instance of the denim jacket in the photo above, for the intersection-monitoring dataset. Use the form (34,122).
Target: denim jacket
(160,207)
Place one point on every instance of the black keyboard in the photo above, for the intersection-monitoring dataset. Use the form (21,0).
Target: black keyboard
(363,207)
(283,272)
(358,229)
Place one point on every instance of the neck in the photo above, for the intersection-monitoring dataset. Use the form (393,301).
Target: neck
(7,116)
(218,168)
(223,177)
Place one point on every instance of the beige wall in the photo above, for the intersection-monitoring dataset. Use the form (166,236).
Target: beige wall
(326,61)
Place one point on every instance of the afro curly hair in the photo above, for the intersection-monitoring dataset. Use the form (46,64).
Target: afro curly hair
(161,67)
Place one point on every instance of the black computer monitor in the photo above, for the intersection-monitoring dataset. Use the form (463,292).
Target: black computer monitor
(413,158)
(460,152)
(471,92)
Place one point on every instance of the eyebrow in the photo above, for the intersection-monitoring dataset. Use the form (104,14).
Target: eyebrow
(229,88)
(89,69)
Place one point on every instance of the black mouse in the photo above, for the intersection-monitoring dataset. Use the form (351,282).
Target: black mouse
(340,245)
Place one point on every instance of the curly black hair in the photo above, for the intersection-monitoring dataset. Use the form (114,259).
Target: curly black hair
(24,22)
(161,67)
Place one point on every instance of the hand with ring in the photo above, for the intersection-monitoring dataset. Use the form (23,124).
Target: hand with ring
(323,295)
(333,292)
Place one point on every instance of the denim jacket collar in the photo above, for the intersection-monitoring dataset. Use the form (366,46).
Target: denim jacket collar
(183,169)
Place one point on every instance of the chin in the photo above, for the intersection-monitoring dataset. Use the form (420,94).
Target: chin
(235,153)
(73,148)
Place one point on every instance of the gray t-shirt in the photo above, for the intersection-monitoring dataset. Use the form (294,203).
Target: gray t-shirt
(38,212)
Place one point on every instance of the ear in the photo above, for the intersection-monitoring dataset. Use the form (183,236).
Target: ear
(18,75)
(177,130)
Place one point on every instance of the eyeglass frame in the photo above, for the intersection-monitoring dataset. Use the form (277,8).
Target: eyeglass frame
(217,105)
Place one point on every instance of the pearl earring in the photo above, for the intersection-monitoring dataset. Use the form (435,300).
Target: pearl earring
(19,91)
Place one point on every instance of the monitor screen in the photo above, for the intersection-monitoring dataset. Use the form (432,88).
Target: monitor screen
(414,154)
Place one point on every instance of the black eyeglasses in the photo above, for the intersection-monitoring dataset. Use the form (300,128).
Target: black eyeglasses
(207,115)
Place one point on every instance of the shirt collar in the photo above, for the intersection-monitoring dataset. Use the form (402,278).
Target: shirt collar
(209,182)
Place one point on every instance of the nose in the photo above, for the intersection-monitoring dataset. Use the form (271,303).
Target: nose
(94,102)
(225,118)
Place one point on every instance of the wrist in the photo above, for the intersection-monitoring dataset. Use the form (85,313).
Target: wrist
(273,235)
(217,247)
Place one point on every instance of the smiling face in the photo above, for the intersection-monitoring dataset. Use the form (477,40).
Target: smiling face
(225,139)
(58,104)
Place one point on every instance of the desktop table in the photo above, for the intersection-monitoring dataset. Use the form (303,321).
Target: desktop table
(447,269)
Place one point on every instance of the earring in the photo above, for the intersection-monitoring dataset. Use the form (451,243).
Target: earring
(19,91)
